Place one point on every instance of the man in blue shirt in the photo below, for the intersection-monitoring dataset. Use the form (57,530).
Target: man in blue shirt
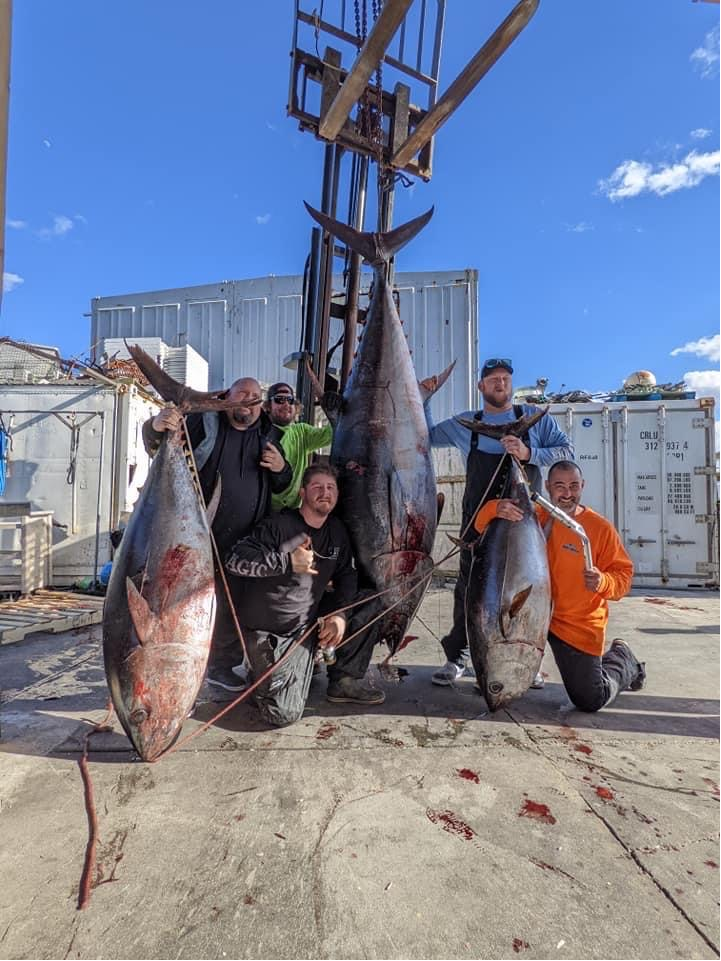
(542,445)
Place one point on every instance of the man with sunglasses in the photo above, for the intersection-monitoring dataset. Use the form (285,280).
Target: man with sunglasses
(298,440)
(283,570)
(541,446)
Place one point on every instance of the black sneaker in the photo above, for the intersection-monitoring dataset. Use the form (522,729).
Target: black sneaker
(640,678)
(225,678)
(349,690)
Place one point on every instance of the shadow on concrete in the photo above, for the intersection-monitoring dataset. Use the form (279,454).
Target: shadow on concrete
(413,697)
(701,629)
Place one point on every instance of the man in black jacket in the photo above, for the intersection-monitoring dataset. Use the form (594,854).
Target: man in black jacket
(240,448)
(284,569)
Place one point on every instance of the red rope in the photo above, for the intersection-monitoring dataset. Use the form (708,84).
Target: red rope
(86,879)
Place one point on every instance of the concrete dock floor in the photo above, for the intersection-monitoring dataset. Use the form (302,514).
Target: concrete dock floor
(424,828)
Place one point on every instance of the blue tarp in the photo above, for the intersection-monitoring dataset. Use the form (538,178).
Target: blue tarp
(3,460)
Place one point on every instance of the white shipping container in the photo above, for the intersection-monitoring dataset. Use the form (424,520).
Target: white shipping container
(650,468)
(247,327)
(76,451)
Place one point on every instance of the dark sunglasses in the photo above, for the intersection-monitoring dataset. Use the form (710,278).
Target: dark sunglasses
(283,399)
(494,362)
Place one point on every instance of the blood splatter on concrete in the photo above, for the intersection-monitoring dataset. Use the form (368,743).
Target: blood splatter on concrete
(583,748)
(605,793)
(468,774)
(519,945)
(541,812)
(450,822)
(325,731)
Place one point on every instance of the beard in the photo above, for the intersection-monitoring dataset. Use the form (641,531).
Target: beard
(499,399)
(322,507)
(283,419)
(241,416)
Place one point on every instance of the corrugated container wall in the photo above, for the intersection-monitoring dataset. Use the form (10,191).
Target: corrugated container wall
(76,451)
(247,327)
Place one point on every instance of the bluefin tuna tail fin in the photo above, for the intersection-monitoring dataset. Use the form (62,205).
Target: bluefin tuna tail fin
(514,428)
(184,398)
(375,249)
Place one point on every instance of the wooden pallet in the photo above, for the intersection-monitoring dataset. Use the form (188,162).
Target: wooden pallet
(50,611)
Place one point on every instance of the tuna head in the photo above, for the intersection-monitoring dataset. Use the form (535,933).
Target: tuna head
(158,687)
(509,671)
(157,682)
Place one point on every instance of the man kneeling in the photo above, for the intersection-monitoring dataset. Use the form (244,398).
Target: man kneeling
(577,635)
(286,565)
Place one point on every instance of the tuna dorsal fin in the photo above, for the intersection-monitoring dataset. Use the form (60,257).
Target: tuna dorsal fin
(440,501)
(212,508)
(428,391)
(519,600)
(142,617)
(376,249)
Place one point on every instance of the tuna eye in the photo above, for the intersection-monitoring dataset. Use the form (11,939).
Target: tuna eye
(495,687)
(138,716)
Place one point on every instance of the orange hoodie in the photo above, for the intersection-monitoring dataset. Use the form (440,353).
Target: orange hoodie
(579,616)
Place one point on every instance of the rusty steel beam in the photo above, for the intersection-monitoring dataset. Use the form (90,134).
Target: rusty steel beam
(466,80)
(5,22)
(367,60)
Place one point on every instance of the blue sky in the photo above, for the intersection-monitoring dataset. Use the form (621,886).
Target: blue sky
(150,148)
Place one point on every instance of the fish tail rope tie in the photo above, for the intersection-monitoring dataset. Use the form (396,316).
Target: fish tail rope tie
(266,674)
(216,552)
(482,499)
(304,636)
(86,878)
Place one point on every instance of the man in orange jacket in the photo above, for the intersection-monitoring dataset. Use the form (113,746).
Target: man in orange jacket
(580,595)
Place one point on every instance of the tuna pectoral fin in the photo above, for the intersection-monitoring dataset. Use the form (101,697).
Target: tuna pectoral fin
(513,610)
(212,508)
(519,600)
(376,249)
(142,617)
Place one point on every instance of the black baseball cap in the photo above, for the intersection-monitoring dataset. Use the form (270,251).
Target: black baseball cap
(280,386)
(496,363)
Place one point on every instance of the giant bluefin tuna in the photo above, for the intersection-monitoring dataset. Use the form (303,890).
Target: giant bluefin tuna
(160,606)
(381,446)
(160,602)
(508,597)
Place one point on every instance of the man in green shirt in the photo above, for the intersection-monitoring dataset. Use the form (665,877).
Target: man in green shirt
(298,440)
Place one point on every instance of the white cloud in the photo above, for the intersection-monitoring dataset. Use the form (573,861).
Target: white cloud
(262,219)
(703,347)
(705,57)
(634,177)
(11,281)
(17,224)
(706,383)
(700,133)
(579,228)
(46,143)
(61,225)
